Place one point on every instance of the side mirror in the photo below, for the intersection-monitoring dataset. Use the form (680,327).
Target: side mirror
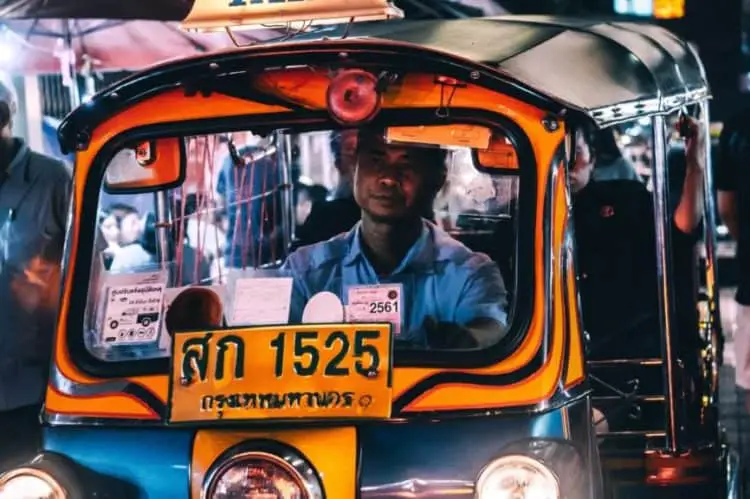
(148,165)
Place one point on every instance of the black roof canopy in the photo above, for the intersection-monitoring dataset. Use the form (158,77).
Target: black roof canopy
(610,71)
(602,68)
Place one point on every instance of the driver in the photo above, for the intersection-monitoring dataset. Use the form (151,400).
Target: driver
(450,297)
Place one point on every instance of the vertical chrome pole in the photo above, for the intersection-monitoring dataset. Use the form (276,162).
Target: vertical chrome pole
(75,93)
(714,333)
(285,157)
(709,224)
(163,224)
(662,224)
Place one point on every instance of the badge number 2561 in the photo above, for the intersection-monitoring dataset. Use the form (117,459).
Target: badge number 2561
(381,307)
(375,303)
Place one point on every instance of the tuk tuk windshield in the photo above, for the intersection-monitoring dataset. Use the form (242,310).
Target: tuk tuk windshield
(312,227)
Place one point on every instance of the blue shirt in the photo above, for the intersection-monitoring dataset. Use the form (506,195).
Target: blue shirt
(246,189)
(440,278)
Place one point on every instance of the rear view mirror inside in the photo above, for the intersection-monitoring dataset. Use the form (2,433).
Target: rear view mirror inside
(146,165)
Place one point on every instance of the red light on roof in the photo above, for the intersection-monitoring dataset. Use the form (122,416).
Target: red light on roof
(353,97)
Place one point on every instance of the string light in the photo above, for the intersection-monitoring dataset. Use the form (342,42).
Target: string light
(669,9)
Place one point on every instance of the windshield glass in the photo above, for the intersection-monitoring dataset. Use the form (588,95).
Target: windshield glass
(312,227)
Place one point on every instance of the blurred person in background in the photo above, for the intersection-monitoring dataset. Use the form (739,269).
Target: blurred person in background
(307,197)
(201,226)
(247,187)
(110,232)
(135,244)
(615,241)
(732,173)
(638,151)
(35,195)
(198,243)
(330,218)
(610,164)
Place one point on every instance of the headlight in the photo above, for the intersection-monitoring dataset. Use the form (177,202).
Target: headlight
(261,475)
(517,477)
(30,483)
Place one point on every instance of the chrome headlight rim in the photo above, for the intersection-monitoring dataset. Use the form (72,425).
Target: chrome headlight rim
(44,476)
(538,465)
(287,458)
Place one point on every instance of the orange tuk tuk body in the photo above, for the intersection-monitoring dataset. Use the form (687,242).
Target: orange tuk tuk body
(252,366)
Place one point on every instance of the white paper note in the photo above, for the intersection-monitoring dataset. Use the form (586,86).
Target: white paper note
(261,301)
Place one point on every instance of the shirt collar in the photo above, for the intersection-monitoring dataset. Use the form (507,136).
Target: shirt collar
(20,153)
(421,257)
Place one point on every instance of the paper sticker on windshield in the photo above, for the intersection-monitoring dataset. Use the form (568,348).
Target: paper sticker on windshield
(261,301)
(378,303)
(133,313)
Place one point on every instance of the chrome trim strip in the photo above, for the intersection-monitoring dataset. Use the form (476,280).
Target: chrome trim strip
(710,244)
(628,111)
(548,235)
(60,383)
(418,488)
(663,269)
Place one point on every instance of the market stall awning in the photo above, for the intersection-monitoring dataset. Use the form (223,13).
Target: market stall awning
(38,46)
(36,35)
(177,10)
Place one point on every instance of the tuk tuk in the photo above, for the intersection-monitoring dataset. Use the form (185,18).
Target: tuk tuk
(210,351)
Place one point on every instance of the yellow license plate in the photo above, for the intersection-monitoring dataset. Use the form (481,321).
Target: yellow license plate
(282,372)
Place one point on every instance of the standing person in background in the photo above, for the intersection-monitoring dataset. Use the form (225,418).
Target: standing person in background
(247,186)
(339,214)
(610,163)
(733,186)
(307,197)
(35,194)
(134,252)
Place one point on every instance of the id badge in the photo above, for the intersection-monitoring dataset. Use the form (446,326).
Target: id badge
(376,303)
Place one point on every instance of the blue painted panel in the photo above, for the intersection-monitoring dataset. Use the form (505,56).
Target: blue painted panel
(454,449)
(149,463)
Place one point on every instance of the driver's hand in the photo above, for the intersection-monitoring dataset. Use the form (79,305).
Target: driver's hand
(447,335)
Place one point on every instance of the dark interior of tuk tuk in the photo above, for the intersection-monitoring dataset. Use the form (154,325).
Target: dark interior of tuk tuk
(630,391)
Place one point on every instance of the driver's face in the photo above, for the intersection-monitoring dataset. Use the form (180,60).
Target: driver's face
(389,181)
